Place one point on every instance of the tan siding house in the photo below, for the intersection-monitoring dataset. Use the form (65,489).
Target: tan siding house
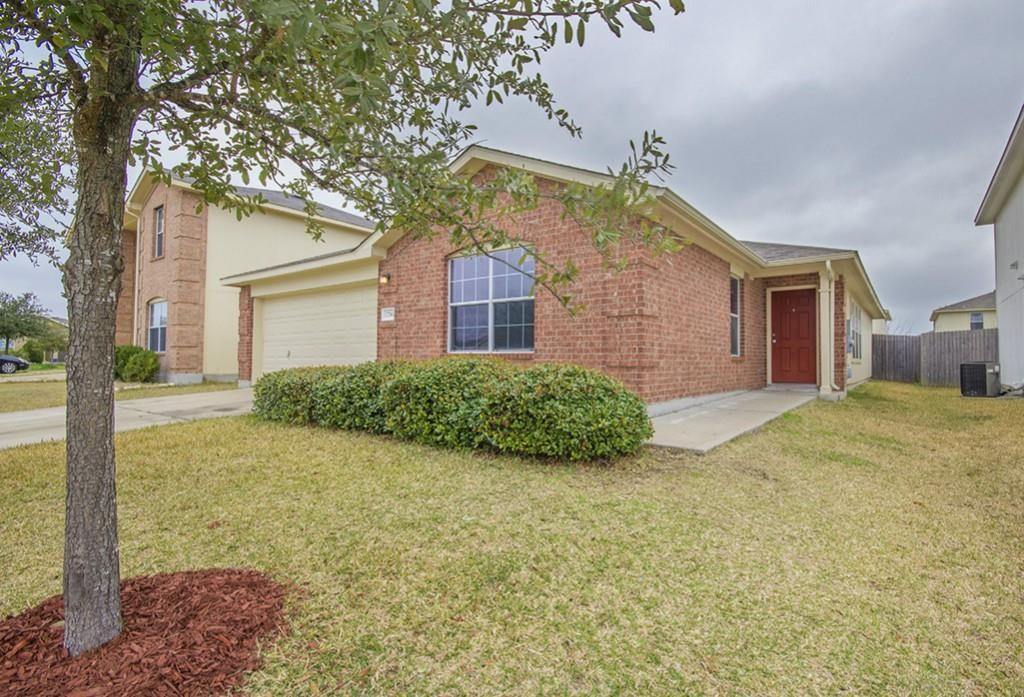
(978,312)
(176,252)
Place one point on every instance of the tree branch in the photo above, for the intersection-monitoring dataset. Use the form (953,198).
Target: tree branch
(45,32)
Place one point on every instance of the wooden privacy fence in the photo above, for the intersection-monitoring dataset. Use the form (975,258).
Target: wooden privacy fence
(933,358)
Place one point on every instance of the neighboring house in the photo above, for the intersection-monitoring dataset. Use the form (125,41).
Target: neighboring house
(177,250)
(56,325)
(719,315)
(1003,207)
(974,313)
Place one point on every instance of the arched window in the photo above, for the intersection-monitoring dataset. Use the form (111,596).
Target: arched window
(157,326)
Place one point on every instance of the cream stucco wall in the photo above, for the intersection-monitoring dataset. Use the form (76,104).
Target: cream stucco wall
(859,369)
(961,321)
(1009,242)
(236,246)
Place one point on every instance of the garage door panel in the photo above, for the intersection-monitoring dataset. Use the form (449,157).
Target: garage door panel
(335,327)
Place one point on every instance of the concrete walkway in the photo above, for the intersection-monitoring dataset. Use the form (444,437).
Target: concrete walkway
(704,423)
(38,425)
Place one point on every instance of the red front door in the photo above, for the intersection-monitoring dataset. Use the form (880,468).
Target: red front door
(794,339)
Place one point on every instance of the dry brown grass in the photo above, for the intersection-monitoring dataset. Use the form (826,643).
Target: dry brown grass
(871,546)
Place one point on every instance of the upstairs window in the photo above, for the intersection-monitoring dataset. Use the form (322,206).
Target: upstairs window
(735,345)
(977,320)
(158,231)
(157,326)
(490,302)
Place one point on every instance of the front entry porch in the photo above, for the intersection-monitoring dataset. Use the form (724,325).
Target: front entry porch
(707,422)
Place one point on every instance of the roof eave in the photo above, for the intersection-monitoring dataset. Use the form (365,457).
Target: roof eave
(361,252)
(134,206)
(677,203)
(1007,172)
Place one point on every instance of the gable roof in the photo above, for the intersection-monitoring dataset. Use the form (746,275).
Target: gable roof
(273,200)
(985,301)
(1006,176)
(762,256)
(774,251)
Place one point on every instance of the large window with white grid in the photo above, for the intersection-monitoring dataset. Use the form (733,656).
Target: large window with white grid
(490,302)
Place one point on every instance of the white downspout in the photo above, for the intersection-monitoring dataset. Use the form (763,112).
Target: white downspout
(831,333)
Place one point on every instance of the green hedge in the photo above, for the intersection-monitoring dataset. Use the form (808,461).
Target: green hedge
(567,412)
(548,410)
(142,367)
(123,354)
(441,402)
(352,399)
(135,364)
(287,395)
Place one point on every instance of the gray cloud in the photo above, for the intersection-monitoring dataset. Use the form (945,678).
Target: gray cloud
(873,125)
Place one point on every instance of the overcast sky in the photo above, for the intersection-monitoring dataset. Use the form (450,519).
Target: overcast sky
(874,125)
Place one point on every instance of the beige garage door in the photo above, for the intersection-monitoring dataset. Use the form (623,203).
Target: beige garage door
(330,327)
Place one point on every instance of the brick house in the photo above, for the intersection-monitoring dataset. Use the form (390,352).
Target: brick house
(176,251)
(720,315)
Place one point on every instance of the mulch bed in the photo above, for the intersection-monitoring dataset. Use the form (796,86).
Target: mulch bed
(186,633)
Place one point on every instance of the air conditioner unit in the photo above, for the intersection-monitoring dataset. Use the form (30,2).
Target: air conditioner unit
(980,379)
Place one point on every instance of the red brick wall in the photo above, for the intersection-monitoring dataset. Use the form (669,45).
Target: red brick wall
(839,298)
(245,333)
(126,299)
(661,326)
(686,336)
(178,276)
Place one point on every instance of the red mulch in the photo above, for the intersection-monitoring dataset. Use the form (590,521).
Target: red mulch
(186,633)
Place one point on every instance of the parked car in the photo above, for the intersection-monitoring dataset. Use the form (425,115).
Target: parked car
(12,364)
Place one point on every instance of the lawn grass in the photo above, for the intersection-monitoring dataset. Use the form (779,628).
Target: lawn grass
(21,396)
(41,367)
(870,546)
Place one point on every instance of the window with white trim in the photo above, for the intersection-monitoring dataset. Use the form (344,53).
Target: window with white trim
(854,338)
(490,302)
(735,288)
(157,340)
(977,320)
(158,231)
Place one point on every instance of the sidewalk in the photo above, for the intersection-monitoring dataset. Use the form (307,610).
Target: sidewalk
(39,425)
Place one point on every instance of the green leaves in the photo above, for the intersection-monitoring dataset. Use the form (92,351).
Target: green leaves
(365,100)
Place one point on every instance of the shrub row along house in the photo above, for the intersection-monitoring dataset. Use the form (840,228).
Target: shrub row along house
(233,300)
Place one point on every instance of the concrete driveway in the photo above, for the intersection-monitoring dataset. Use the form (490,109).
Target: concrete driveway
(38,425)
(703,423)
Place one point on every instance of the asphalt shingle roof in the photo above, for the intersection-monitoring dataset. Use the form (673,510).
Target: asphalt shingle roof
(773,251)
(279,198)
(985,301)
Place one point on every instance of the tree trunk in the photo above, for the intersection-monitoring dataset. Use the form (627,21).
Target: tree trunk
(103,125)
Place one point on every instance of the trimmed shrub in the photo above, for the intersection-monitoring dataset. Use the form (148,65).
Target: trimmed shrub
(142,367)
(441,402)
(123,354)
(287,395)
(32,351)
(352,400)
(565,411)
